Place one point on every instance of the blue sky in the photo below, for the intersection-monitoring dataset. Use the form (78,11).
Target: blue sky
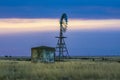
(74,8)
(93,26)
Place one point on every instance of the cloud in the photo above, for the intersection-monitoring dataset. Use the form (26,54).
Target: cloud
(12,25)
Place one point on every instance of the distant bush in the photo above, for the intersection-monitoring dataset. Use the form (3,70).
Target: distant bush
(118,61)
(6,56)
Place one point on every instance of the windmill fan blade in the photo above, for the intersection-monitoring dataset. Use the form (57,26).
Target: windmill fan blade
(63,22)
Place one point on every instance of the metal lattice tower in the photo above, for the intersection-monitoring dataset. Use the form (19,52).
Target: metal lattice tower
(61,48)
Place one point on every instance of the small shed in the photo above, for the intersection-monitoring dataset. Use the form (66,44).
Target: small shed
(43,54)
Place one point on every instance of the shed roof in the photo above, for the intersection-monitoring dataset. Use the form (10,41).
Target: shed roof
(44,47)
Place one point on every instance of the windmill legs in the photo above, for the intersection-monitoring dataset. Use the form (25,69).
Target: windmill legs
(61,48)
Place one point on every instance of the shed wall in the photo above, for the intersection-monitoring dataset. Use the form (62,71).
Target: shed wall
(38,55)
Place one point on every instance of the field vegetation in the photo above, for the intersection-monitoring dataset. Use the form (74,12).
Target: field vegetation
(69,70)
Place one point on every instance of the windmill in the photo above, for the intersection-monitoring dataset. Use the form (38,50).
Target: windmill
(61,48)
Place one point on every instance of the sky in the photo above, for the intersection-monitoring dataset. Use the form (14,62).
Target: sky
(93,26)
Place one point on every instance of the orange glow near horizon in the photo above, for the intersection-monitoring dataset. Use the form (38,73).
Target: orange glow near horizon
(32,25)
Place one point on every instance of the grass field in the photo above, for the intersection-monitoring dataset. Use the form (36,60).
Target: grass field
(69,70)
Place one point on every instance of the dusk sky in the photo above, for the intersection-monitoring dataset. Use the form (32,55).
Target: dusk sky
(93,26)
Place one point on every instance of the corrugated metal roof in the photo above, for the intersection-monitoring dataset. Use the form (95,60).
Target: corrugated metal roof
(44,47)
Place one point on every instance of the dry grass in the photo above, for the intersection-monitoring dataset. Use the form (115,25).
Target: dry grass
(71,70)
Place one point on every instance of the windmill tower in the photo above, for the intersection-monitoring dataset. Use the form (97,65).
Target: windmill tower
(61,48)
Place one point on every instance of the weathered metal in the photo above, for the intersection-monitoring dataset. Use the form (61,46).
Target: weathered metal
(43,54)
